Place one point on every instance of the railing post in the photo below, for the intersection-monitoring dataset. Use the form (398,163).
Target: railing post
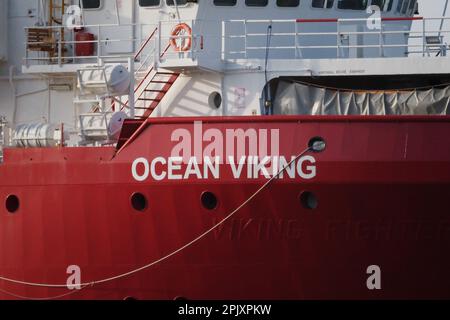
(26,48)
(223,40)
(296,39)
(381,39)
(245,39)
(158,51)
(192,50)
(99,47)
(338,40)
(132,82)
(60,46)
(424,41)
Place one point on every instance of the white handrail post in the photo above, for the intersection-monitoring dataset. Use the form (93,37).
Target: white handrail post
(223,40)
(60,46)
(158,52)
(296,39)
(99,47)
(424,40)
(132,82)
(338,35)
(27,63)
(245,39)
(381,39)
(192,40)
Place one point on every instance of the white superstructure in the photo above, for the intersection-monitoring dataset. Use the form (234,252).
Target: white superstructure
(225,60)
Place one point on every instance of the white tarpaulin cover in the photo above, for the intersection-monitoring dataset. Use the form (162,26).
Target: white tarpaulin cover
(297,98)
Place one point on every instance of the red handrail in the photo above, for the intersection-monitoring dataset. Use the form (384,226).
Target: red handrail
(145,43)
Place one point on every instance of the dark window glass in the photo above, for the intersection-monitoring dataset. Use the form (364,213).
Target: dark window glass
(405,6)
(256,3)
(352,4)
(225,3)
(91,4)
(399,5)
(149,3)
(323,3)
(179,2)
(288,3)
(391,4)
(384,5)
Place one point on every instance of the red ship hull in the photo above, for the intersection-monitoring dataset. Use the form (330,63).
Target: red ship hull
(382,186)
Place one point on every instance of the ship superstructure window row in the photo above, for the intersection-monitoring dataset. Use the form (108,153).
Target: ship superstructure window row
(403,6)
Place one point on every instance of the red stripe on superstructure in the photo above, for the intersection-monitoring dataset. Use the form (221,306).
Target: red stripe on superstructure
(402,19)
(343,20)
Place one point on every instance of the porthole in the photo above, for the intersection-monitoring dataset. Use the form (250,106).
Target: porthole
(209,200)
(139,202)
(317,144)
(308,200)
(12,203)
(215,100)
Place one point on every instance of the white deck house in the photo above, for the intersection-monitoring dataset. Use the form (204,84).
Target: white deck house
(220,63)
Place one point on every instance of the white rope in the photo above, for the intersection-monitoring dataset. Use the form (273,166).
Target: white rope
(17,296)
(204,234)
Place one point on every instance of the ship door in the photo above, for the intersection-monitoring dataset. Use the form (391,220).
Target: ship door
(118,33)
(349,40)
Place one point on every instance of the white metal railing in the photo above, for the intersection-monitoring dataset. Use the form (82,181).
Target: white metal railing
(247,39)
(426,41)
(151,43)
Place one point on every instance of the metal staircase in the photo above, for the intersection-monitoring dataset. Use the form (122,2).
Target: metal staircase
(154,92)
(152,87)
(152,84)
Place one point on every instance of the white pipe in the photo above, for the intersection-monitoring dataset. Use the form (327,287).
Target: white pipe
(13,92)
(31,93)
(117,13)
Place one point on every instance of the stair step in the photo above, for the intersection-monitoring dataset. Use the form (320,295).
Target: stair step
(167,73)
(148,99)
(156,91)
(160,81)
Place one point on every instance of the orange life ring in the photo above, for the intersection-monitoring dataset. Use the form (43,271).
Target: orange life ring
(187,39)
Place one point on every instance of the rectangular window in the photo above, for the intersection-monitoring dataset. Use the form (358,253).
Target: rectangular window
(412,6)
(225,3)
(399,5)
(405,6)
(149,3)
(352,4)
(91,4)
(179,2)
(256,3)
(323,4)
(288,3)
(384,5)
